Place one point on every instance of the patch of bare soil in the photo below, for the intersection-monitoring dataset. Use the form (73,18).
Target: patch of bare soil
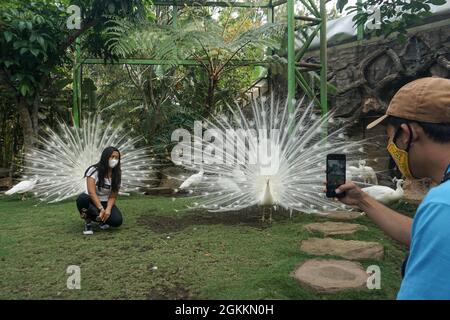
(250,217)
(172,292)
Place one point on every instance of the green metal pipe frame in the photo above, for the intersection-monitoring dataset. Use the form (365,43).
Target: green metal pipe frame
(291,55)
(323,59)
(76,109)
(294,74)
(168,62)
(324,63)
(360,27)
(235,4)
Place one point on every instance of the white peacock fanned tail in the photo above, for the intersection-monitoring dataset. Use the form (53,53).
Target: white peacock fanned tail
(296,161)
(60,159)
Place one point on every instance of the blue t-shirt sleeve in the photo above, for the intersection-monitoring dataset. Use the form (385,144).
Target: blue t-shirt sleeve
(427,273)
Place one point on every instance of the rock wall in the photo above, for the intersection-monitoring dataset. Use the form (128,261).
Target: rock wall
(369,73)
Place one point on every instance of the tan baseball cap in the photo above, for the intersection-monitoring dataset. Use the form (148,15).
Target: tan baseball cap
(422,100)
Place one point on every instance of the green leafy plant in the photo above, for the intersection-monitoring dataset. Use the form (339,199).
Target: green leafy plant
(35,44)
(199,38)
(395,15)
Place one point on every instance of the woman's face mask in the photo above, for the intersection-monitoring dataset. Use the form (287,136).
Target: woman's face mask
(401,157)
(113,162)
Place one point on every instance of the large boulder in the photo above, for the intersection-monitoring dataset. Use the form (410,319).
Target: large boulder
(5,183)
(171,179)
(415,190)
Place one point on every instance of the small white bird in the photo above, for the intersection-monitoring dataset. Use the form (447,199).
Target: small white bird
(385,194)
(22,187)
(351,173)
(267,201)
(362,173)
(193,180)
(368,174)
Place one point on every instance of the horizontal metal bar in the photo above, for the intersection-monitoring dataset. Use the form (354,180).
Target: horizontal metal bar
(309,65)
(278,3)
(305,69)
(211,4)
(306,25)
(305,18)
(140,61)
(167,62)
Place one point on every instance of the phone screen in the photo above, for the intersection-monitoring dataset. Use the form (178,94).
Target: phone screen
(335,174)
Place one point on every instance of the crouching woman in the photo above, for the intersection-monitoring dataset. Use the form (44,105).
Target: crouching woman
(98,202)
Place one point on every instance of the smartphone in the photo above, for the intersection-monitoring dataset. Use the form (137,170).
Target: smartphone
(336,164)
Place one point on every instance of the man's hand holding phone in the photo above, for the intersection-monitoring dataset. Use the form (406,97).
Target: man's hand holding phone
(352,194)
(336,165)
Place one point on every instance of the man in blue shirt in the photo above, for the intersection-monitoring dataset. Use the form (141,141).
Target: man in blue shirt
(418,127)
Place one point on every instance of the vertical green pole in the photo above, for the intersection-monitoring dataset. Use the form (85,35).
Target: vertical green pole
(175,24)
(270,13)
(323,58)
(360,27)
(291,55)
(270,19)
(76,110)
(174,16)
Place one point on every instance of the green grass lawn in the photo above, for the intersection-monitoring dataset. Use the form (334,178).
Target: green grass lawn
(198,255)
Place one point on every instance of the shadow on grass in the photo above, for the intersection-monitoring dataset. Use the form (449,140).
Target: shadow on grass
(249,217)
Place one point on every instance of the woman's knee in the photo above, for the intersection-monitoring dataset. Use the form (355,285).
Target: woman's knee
(83,201)
(115,219)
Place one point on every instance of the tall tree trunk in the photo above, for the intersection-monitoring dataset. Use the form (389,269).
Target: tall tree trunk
(34,114)
(157,120)
(29,131)
(210,101)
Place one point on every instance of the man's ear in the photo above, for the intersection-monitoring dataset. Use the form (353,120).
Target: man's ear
(417,132)
(405,134)
(413,132)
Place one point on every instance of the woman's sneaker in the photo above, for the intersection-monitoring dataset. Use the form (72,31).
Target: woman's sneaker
(104,226)
(88,229)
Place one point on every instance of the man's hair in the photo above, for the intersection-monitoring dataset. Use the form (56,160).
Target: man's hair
(438,132)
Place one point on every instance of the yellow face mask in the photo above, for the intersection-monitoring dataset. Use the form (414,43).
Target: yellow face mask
(401,159)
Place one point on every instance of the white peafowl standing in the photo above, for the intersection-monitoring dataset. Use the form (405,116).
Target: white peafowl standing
(368,174)
(192,181)
(272,143)
(362,173)
(385,194)
(267,202)
(22,187)
(60,158)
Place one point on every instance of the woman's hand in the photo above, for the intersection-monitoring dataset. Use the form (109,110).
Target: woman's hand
(106,213)
(101,216)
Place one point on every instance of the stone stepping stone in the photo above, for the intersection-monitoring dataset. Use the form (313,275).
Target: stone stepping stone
(348,249)
(332,228)
(341,215)
(328,276)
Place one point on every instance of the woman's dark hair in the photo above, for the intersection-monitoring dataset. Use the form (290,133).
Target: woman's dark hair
(102,168)
(439,132)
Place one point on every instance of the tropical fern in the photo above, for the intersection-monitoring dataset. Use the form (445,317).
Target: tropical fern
(197,38)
